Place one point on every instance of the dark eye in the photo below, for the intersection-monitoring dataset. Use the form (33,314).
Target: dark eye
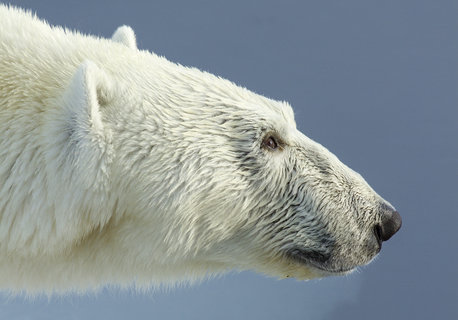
(270,143)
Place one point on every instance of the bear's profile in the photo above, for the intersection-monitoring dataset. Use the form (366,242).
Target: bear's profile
(117,166)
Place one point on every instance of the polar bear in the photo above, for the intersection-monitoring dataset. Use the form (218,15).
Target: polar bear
(119,167)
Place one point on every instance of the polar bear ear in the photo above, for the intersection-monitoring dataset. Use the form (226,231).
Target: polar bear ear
(126,36)
(89,90)
(78,129)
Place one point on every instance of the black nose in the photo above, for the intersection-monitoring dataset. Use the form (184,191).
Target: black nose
(390,224)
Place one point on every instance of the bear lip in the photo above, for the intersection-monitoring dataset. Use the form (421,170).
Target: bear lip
(317,260)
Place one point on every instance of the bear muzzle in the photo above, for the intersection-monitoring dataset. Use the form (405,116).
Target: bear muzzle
(338,259)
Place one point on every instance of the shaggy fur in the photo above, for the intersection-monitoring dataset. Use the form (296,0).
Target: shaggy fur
(118,166)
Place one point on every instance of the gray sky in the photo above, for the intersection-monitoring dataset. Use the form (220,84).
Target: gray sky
(374,81)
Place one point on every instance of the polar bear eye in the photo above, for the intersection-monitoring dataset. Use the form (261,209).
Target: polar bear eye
(270,143)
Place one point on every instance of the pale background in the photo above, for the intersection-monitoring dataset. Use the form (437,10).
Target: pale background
(374,81)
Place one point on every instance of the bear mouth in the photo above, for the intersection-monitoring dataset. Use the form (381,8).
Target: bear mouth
(318,260)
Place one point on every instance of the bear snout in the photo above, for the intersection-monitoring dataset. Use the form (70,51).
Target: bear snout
(390,224)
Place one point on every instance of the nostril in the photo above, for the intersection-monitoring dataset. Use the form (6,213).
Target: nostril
(378,234)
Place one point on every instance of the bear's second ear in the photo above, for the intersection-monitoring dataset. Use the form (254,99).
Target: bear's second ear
(126,36)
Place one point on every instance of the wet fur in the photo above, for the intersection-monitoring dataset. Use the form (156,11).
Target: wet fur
(117,166)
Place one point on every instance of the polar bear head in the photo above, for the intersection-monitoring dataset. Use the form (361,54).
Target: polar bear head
(217,176)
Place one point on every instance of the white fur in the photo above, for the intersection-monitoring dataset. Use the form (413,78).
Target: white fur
(118,166)
(126,36)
